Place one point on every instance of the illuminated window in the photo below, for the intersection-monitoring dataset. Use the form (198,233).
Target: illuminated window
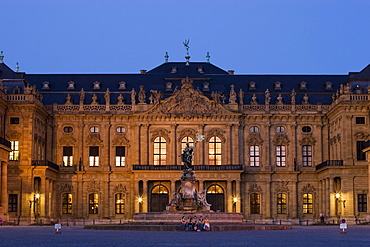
(254,156)
(254,129)
(67,203)
(93,156)
(214,151)
(14,154)
(215,189)
(362,202)
(93,203)
(280,155)
(120,129)
(67,156)
(185,140)
(120,156)
(13,203)
(281,203)
(159,189)
(307,155)
(159,151)
(307,203)
(255,200)
(94,129)
(120,200)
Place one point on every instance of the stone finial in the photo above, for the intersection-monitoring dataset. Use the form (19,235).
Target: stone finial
(305,100)
(1,57)
(292,97)
(166,57)
(208,57)
(94,99)
(267,97)
(120,99)
(17,67)
(107,97)
(68,99)
(279,100)
(82,96)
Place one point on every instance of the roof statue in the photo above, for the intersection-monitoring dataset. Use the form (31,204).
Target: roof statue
(187,57)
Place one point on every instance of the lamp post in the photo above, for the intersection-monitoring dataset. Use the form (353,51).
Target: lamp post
(35,203)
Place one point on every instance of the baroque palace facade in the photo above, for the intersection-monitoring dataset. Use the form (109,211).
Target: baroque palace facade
(103,147)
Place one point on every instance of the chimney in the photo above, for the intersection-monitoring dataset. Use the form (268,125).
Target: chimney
(143,71)
(231,72)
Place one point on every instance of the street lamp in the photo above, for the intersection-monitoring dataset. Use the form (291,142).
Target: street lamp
(35,203)
(338,196)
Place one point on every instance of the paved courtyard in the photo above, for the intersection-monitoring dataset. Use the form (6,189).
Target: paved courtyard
(77,236)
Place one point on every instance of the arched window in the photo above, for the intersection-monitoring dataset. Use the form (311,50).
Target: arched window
(67,203)
(255,201)
(214,151)
(281,203)
(215,189)
(160,189)
(307,155)
(307,203)
(185,140)
(254,155)
(159,151)
(93,203)
(120,201)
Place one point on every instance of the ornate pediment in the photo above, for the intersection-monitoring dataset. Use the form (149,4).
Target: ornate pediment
(93,186)
(282,186)
(187,132)
(307,139)
(188,102)
(120,189)
(362,136)
(66,188)
(308,189)
(120,140)
(281,139)
(94,140)
(255,188)
(67,140)
(254,139)
(13,135)
(160,132)
(216,132)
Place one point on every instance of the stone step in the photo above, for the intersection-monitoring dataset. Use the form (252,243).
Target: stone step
(168,217)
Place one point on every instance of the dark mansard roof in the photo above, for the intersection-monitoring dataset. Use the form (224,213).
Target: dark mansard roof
(202,72)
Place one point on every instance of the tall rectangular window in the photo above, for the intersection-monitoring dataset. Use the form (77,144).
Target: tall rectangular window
(280,155)
(93,203)
(307,155)
(307,203)
(14,154)
(94,156)
(13,203)
(67,156)
(120,156)
(120,203)
(67,203)
(360,120)
(362,202)
(160,151)
(214,151)
(255,200)
(360,145)
(281,203)
(254,156)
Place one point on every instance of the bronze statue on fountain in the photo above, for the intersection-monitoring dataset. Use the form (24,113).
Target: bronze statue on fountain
(189,199)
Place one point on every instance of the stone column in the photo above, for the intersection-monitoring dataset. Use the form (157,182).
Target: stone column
(4,187)
(238,195)
(332,199)
(145,196)
(229,196)
(367,151)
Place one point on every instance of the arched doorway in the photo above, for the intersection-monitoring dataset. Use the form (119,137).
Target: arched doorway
(158,198)
(216,197)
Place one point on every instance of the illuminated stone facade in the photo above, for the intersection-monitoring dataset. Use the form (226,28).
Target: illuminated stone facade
(104,147)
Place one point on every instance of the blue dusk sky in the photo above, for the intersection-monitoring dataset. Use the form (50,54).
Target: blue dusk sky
(250,37)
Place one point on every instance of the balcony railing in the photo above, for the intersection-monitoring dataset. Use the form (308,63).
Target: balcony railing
(195,167)
(45,163)
(5,142)
(329,163)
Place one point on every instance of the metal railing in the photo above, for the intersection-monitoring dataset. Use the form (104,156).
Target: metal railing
(329,163)
(5,142)
(181,167)
(45,163)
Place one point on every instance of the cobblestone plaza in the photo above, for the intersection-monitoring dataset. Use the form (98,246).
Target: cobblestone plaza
(77,236)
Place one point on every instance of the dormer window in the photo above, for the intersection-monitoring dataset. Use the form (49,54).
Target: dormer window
(71,85)
(96,85)
(174,69)
(328,86)
(358,89)
(168,86)
(200,70)
(16,90)
(205,86)
(45,85)
(277,85)
(122,85)
(303,85)
(252,85)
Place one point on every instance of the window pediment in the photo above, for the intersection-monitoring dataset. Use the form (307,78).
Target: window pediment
(307,139)
(281,139)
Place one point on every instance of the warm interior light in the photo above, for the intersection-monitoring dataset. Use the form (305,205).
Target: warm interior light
(37,196)
(337,195)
